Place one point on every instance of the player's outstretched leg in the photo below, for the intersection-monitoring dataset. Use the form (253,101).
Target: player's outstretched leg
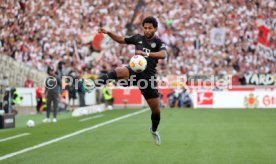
(104,78)
(118,73)
(155,118)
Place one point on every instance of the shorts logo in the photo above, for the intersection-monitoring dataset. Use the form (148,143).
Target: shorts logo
(205,98)
(153,45)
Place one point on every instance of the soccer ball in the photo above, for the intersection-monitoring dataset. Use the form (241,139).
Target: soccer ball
(109,107)
(138,63)
(30,124)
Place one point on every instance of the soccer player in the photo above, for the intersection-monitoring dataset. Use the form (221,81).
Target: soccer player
(152,48)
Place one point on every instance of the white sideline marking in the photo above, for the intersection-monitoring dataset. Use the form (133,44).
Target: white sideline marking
(70,135)
(13,137)
(93,117)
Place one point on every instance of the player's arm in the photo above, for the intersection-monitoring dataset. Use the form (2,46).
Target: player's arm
(157,55)
(115,37)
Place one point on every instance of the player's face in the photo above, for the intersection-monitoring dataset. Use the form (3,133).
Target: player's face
(149,30)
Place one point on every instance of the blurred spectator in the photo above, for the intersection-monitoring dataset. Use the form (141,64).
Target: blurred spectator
(184,99)
(72,92)
(172,99)
(16,97)
(108,98)
(62,103)
(29,83)
(39,96)
(81,92)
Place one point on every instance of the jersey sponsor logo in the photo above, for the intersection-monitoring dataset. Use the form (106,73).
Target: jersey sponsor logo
(153,45)
(146,50)
(205,98)
(163,45)
(140,42)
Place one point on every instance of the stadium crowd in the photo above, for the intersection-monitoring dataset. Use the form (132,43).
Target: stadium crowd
(48,32)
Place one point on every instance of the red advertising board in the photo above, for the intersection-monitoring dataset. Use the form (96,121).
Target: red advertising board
(127,95)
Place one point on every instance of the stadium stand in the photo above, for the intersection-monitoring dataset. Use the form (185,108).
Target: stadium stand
(17,73)
(49,32)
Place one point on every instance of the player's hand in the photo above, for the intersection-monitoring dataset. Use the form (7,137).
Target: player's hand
(139,52)
(102,30)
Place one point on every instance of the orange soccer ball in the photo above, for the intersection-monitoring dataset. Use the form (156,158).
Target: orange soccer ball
(138,63)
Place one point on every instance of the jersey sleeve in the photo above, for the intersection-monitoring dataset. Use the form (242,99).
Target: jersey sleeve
(132,39)
(163,46)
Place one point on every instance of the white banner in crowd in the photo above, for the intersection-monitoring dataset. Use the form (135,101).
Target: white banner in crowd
(217,36)
(267,38)
(235,99)
(259,79)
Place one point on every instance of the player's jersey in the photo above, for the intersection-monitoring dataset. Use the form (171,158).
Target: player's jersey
(153,45)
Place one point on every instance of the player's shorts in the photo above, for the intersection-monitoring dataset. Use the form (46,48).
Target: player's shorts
(147,87)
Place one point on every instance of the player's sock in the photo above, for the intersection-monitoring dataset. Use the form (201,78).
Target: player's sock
(155,119)
(104,78)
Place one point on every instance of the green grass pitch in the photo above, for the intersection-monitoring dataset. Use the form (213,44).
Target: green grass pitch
(188,136)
